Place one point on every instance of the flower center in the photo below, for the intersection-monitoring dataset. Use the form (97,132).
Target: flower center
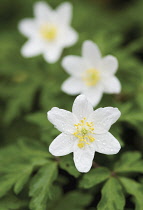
(84,131)
(91,77)
(48,31)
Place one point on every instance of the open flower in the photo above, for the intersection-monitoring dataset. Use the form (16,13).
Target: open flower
(91,74)
(84,131)
(49,32)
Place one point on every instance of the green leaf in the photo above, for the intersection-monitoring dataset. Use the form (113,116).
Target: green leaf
(112,196)
(18,162)
(39,118)
(6,184)
(73,201)
(135,189)
(67,164)
(117,132)
(133,117)
(11,202)
(23,179)
(34,148)
(94,177)
(40,186)
(18,101)
(130,162)
(17,176)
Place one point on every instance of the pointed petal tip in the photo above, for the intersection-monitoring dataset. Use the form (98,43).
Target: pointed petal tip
(81,97)
(117,112)
(118,148)
(50,112)
(83,170)
(61,145)
(90,44)
(66,5)
(52,151)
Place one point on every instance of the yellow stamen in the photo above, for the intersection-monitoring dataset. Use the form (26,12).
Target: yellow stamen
(84,131)
(80,145)
(91,77)
(48,32)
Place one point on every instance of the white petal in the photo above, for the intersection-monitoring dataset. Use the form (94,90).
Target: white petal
(74,65)
(64,12)
(42,10)
(69,37)
(52,54)
(72,86)
(81,107)
(28,27)
(32,48)
(103,118)
(62,145)
(106,143)
(94,95)
(83,159)
(109,64)
(63,120)
(111,85)
(91,52)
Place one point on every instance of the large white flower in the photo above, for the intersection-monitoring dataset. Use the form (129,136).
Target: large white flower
(91,74)
(49,32)
(84,131)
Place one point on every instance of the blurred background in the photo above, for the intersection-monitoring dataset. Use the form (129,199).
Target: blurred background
(30,178)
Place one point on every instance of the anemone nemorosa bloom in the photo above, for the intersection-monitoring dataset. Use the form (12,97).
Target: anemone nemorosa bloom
(91,74)
(84,132)
(48,32)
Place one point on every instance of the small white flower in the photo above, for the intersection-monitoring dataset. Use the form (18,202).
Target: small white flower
(49,32)
(84,131)
(91,74)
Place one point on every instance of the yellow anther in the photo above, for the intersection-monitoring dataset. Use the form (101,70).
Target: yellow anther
(80,145)
(91,77)
(48,31)
(84,131)
(91,139)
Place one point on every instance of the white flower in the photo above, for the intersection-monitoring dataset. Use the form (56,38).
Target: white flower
(49,32)
(91,74)
(84,131)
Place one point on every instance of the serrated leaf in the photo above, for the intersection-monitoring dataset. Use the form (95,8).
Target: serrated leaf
(11,202)
(67,164)
(94,177)
(23,179)
(18,162)
(130,162)
(17,176)
(6,184)
(112,196)
(25,150)
(135,189)
(40,186)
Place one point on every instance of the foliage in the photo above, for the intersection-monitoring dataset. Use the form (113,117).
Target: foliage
(30,177)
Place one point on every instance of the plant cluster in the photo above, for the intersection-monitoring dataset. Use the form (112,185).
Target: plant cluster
(30,177)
